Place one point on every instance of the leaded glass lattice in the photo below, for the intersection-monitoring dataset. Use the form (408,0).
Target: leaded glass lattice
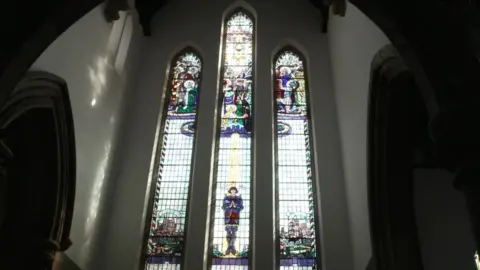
(296,205)
(167,226)
(231,225)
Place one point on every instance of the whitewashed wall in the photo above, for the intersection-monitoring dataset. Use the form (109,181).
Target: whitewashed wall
(353,41)
(84,57)
(198,23)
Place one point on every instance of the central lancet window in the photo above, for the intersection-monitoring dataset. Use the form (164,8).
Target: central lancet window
(230,243)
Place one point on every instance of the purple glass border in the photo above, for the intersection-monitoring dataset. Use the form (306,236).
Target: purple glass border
(291,117)
(297,262)
(229,131)
(182,116)
(164,259)
(229,261)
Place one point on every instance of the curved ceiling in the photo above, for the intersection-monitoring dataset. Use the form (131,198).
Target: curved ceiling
(147,9)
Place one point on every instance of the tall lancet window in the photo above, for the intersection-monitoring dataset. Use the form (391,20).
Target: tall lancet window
(231,224)
(170,195)
(296,216)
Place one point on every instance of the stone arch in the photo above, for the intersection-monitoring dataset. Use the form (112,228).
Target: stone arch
(390,180)
(404,46)
(240,4)
(37,156)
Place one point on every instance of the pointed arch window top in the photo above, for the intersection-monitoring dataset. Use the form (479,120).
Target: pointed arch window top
(241,19)
(188,59)
(291,60)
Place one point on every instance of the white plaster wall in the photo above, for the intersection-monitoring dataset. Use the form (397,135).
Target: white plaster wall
(82,57)
(353,41)
(198,23)
(444,232)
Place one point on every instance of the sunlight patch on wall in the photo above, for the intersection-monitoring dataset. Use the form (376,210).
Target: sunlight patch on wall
(124,45)
(98,78)
(95,198)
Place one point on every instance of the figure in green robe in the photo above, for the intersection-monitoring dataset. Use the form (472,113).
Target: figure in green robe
(188,103)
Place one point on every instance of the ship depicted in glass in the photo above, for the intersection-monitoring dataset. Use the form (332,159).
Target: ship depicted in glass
(296,224)
(167,225)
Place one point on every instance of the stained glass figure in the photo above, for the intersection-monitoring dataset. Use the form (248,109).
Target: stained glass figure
(167,226)
(296,217)
(231,226)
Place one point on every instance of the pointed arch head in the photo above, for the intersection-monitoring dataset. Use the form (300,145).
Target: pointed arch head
(187,46)
(191,53)
(288,55)
(290,63)
(240,6)
(290,44)
(187,60)
(241,19)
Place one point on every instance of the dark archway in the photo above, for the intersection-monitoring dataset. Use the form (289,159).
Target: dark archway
(37,154)
(439,42)
(394,147)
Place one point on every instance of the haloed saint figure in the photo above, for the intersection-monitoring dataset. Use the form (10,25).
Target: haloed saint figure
(232,205)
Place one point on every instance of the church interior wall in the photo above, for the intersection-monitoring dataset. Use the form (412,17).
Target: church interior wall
(84,56)
(444,232)
(116,115)
(353,42)
(198,24)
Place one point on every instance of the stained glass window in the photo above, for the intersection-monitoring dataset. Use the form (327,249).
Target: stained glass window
(231,224)
(296,219)
(167,225)
(477,260)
